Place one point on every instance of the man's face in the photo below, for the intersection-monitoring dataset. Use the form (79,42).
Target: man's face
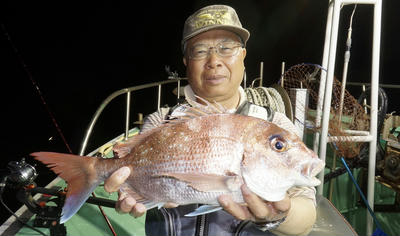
(215,78)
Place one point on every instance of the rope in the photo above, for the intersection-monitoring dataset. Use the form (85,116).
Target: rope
(263,96)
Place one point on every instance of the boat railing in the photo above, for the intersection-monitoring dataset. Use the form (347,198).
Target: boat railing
(359,84)
(128,91)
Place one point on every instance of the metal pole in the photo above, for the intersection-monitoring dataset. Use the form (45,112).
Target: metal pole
(345,67)
(322,82)
(282,74)
(261,74)
(128,109)
(328,89)
(179,90)
(159,97)
(393,86)
(376,41)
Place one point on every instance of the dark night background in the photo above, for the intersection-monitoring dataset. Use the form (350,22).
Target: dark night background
(79,53)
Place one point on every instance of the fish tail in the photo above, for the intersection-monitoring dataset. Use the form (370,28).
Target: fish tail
(78,172)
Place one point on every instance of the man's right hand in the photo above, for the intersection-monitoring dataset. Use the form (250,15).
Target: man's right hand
(125,203)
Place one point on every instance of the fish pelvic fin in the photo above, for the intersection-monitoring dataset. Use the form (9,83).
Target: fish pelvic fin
(204,209)
(150,205)
(78,172)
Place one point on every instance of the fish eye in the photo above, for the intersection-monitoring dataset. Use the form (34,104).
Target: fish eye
(278,143)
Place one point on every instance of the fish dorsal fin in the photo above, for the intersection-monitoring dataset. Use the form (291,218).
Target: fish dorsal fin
(195,109)
(208,182)
(122,149)
(209,108)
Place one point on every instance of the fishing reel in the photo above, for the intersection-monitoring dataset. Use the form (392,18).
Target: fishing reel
(21,173)
(21,176)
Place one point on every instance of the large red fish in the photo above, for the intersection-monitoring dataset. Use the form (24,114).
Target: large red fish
(194,161)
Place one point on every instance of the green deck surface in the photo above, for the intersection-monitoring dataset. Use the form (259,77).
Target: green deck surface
(347,200)
(345,197)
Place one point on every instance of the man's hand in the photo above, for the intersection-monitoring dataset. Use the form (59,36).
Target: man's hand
(257,210)
(125,203)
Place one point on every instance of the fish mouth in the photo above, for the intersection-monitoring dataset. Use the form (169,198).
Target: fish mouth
(312,168)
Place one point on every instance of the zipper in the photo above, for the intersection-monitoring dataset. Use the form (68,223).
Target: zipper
(168,217)
(202,225)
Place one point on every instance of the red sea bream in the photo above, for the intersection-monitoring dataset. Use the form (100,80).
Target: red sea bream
(194,159)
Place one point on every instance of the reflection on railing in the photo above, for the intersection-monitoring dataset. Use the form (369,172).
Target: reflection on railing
(126,91)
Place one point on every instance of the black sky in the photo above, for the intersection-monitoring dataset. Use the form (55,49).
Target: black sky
(79,53)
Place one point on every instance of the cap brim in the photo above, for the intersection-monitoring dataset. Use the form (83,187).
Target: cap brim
(241,32)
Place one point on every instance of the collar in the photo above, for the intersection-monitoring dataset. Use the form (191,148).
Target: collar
(188,91)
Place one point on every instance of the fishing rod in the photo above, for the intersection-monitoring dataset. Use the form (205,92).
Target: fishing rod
(49,112)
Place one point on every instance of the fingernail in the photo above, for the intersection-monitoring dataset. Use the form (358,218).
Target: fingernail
(245,190)
(123,172)
(139,210)
(121,196)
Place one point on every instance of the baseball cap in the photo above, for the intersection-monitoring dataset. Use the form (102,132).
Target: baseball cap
(214,17)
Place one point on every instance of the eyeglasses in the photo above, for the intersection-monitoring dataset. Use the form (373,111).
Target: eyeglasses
(223,49)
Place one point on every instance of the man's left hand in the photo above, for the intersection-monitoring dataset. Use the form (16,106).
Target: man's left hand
(256,209)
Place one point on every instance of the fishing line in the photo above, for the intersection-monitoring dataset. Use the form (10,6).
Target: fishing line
(378,230)
(52,117)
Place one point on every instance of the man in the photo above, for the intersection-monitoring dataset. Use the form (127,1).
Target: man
(214,51)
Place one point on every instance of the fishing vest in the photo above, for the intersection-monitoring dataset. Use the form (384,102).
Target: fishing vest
(173,222)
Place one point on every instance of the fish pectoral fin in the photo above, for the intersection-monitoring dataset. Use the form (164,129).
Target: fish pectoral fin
(125,188)
(205,209)
(208,182)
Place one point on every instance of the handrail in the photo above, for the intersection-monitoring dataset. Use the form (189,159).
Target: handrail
(394,86)
(326,84)
(128,100)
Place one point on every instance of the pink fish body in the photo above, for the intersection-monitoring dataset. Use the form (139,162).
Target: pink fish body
(194,161)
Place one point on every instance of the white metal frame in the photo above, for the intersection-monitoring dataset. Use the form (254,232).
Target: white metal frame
(325,92)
